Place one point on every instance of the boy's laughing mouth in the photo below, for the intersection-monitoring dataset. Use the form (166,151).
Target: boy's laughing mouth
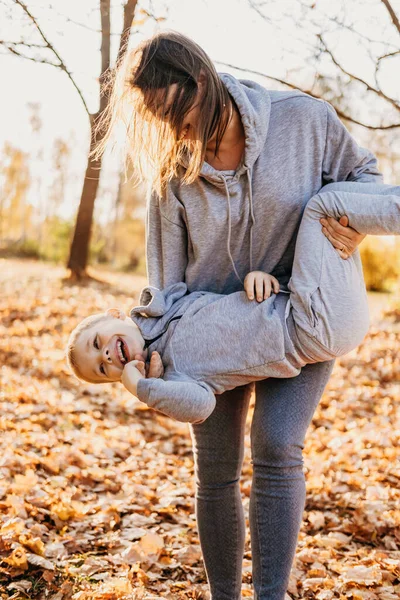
(122,351)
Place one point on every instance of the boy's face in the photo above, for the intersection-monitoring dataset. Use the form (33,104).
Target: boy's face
(103,349)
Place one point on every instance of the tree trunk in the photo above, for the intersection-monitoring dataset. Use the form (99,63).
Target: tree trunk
(114,246)
(79,252)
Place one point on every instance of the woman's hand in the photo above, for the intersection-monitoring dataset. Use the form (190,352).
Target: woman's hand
(260,285)
(341,236)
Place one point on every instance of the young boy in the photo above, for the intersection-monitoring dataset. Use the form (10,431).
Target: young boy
(210,343)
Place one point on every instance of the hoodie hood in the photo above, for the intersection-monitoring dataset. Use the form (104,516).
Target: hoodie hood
(254,105)
(157,308)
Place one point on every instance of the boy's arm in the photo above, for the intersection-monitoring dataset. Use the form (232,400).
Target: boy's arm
(178,397)
(185,400)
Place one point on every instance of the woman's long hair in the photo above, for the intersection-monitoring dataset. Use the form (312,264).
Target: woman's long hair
(138,92)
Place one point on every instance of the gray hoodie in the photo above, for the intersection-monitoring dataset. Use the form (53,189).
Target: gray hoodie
(211,233)
(192,332)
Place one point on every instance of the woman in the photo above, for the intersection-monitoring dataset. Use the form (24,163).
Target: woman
(231,167)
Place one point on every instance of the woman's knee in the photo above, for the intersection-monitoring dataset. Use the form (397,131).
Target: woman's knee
(218,443)
(218,458)
(217,469)
(276,453)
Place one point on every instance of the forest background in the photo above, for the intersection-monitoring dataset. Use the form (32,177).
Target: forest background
(54,56)
(96,489)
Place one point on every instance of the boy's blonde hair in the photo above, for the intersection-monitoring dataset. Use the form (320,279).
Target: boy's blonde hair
(73,338)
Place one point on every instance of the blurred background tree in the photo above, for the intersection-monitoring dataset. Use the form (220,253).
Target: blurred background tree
(15,212)
(45,52)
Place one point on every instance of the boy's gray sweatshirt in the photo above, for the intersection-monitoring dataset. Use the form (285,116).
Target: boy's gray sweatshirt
(210,343)
(211,233)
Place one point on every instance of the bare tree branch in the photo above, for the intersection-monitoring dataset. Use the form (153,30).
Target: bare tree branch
(393,15)
(48,45)
(342,25)
(30,45)
(310,93)
(256,8)
(36,60)
(148,13)
(356,78)
(335,20)
(79,24)
(388,55)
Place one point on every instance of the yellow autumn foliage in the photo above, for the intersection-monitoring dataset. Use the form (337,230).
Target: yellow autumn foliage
(381,263)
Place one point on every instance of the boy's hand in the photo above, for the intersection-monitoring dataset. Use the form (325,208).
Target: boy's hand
(131,375)
(260,285)
(156,368)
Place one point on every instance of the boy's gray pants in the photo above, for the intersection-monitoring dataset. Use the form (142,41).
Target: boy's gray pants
(329,309)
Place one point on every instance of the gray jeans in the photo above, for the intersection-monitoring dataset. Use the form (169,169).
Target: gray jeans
(284,408)
(282,414)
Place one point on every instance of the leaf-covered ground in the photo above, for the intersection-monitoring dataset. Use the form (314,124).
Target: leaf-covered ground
(96,490)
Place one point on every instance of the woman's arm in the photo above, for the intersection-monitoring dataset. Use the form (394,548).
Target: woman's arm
(345,160)
(166,240)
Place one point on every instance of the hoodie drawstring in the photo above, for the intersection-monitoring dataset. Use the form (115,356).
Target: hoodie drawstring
(228,242)
(252,216)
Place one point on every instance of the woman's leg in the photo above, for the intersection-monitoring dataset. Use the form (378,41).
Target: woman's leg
(283,412)
(218,446)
